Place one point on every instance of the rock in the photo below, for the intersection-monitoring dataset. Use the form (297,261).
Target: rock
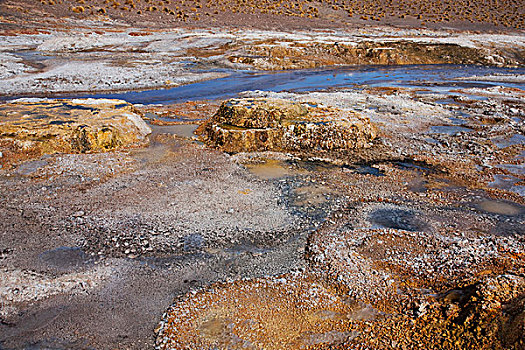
(43,126)
(277,56)
(78,214)
(261,124)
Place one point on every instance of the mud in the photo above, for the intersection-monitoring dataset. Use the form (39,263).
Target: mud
(31,128)
(249,125)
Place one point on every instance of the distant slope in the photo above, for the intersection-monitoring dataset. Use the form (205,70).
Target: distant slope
(484,15)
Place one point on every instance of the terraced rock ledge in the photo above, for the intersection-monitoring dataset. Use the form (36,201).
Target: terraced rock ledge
(33,127)
(262,124)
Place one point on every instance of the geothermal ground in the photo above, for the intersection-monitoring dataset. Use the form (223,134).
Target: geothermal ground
(262,175)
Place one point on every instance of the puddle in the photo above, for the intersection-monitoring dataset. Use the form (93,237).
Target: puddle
(448,129)
(33,56)
(32,321)
(181,130)
(64,259)
(312,195)
(61,122)
(86,108)
(501,208)
(327,315)
(219,329)
(246,248)
(508,183)
(456,295)
(314,166)
(215,327)
(517,169)
(149,115)
(518,189)
(399,219)
(366,170)
(419,184)
(516,139)
(432,141)
(155,153)
(413,165)
(193,242)
(175,119)
(31,167)
(364,312)
(169,118)
(442,101)
(457,121)
(270,169)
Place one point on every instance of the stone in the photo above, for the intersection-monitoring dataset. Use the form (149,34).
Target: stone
(262,124)
(44,126)
(277,56)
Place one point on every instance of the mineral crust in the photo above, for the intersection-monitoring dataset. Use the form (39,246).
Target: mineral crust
(42,126)
(262,124)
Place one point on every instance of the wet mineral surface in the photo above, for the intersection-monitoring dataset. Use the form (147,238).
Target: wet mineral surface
(400,249)
(393,218)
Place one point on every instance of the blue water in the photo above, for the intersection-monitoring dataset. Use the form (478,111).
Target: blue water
(429,78)
(33,56)
(436,78)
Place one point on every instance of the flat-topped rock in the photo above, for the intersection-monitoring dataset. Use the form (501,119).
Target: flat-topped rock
(45,126)
(262,124)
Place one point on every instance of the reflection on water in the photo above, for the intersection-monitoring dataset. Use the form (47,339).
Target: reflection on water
(181,130)
(270,169)
(397,218)
(436,78)
(517,169)
(516,139)
(499,207)
(448,129)
(33,55)
(508,183)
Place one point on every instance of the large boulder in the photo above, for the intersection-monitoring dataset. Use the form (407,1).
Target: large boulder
(261,124)
(44,126)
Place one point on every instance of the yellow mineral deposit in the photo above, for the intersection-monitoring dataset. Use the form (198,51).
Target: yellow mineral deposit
(248,125)
(70,126)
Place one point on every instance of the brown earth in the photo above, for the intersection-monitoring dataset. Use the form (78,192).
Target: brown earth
(414,245)
(465,14)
